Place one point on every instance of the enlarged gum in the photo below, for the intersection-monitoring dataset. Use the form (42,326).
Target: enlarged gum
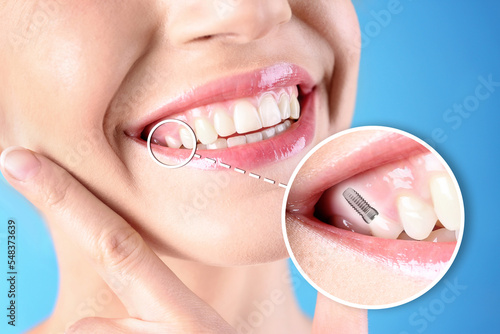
(380,187)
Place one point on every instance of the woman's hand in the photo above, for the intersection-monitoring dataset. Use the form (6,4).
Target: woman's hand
(156,300)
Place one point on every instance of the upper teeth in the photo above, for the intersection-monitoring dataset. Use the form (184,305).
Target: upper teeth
(212,123)
(419,218)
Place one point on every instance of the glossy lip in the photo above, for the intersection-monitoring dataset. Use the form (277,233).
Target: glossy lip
(280,147)
(420,259)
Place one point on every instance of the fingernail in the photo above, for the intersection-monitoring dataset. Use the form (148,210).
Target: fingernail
(20,163)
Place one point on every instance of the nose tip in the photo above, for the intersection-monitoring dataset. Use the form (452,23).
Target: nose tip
(236,21)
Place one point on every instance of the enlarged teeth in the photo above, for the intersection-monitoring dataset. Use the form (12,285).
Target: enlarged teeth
(418,217)
(269,111)
(235,141)
(223,123)
(186,138)
(441,235)
(383,227)
(173,142)
(294,107)
(205,131)
(284,106)
(246,118)
(445,200)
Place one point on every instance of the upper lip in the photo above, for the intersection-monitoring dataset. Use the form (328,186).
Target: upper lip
(227,88)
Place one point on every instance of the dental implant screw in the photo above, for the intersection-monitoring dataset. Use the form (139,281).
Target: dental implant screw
(359,204)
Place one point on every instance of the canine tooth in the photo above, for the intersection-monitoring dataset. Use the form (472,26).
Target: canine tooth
(445,200)
(269,111)
(254,137)
(441,235)
(223,123)
(268,133)
(186,138)
(418,217)
(246,118)
(173,142)
(280,128)
(383,227)
(218,144)
(294,107)
(284,106)
(205,131)
(235,141)
(287,123)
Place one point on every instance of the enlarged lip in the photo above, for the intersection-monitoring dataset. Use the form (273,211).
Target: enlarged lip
(280,147)
(418,259)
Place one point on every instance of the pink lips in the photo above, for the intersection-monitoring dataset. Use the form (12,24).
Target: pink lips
(416,258)
(278,148)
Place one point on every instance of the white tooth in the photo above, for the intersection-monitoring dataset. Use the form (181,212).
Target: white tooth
(294,107)
(218,144)
(284,106)
(205,131)
(201,147)
(418,217)
(186,138)
(404,236)
(235,141)
(445,200)
(383,227)
(441,235)
(280,128)
(268,133)
(254,137)
(173,142)
(223,123)
(287,123)
(269,111)
(246,118)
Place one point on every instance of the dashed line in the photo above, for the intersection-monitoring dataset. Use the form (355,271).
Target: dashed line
(269,180)
(241,171)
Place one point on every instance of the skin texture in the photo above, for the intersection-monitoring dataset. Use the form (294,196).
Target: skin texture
(66,66)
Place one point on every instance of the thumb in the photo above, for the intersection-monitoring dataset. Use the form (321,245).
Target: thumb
(332,317)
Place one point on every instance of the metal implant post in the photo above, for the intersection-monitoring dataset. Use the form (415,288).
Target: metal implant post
(359,204)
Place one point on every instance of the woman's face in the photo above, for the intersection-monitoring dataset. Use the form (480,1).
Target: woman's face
(81,81)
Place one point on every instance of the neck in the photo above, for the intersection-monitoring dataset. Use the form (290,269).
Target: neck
(254,299)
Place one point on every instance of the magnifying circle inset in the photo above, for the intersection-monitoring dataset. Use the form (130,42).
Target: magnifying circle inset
(191,132)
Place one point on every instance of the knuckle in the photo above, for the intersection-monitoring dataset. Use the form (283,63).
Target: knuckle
(55,195)
(119,249)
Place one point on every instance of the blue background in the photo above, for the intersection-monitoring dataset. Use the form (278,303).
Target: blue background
(414,66)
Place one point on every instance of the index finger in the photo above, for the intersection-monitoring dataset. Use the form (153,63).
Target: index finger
(146,286)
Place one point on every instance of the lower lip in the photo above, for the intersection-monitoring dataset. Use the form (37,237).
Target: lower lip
(419,259)
(254,155)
